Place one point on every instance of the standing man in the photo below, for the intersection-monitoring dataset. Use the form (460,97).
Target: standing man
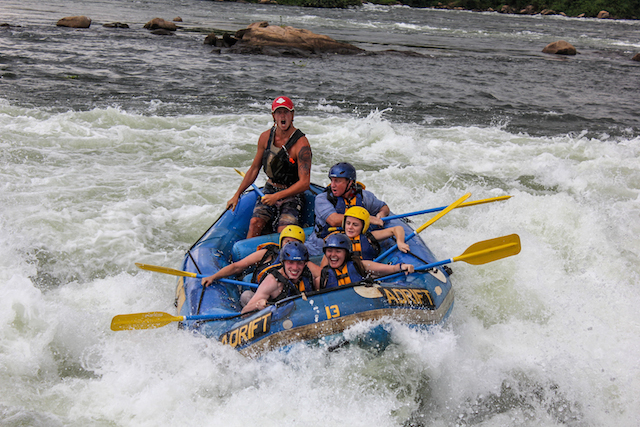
(285,155)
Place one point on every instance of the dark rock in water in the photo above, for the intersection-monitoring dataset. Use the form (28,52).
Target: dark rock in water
(162,32)
(159,23)
(409,53)
(211,39)
(74,22)
(560,47)
(115,25)
(262,38)
(177,19)
(636,57)
(227,40)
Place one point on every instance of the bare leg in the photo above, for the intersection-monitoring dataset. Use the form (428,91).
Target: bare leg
(255,227)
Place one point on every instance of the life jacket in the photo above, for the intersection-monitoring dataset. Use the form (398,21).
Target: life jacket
(345,275)
(365,246)
(271,257)
(281,168)
(341,205)
(288,287)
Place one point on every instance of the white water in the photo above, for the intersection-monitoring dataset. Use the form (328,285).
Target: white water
(548,337)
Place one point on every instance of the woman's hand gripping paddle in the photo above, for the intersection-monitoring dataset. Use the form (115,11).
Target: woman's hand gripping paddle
(174,272)
(425,225)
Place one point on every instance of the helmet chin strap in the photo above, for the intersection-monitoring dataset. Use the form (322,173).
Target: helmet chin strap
(350,191)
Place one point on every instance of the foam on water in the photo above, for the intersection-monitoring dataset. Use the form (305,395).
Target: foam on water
(548,337)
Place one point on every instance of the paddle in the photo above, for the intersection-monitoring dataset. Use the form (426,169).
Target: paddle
(157,319)
(255,187)
(478,253)
(463,205)
(425,225)
(174,272)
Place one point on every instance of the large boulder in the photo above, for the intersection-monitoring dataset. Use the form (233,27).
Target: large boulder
(560,47)
(159,23)
(603,14)
(507,9)
(636,57)
(529,10)
(260,37)
(74,22)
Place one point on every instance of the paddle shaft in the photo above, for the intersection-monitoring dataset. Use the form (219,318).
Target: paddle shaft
(441,208)
(476,254)
(255,187)
(425,225)
(227,281)
(174,272)
(419,268)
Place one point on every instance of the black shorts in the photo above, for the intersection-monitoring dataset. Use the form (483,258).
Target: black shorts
(284,212)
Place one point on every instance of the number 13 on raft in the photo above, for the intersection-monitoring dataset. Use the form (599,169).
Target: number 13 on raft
(332,311)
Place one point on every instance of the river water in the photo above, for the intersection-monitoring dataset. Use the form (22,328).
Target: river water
(118,146)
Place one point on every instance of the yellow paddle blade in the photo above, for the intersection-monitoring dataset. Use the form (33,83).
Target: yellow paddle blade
(482,201)
(154,319)
(239,172)
(165,270)
(443,212)
(491,250)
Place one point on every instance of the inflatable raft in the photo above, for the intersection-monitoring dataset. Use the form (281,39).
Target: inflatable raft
(420,299)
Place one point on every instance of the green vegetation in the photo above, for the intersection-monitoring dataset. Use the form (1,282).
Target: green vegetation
(591,8)
(625,9)
(322,3)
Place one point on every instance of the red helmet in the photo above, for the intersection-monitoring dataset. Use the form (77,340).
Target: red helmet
(281,101)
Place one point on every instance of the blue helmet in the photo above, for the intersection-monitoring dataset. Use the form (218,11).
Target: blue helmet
(294,251)
(337,240)
(343,170)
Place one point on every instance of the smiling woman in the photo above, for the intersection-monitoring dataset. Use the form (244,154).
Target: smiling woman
(345,267)
(289,278)
(365,242)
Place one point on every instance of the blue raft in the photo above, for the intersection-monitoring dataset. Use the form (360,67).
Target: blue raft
(420,299)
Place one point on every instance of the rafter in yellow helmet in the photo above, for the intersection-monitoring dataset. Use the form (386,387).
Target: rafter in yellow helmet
(292,231)
(357,212)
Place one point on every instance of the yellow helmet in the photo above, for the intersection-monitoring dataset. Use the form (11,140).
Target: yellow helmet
(360,213)
(292,231)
